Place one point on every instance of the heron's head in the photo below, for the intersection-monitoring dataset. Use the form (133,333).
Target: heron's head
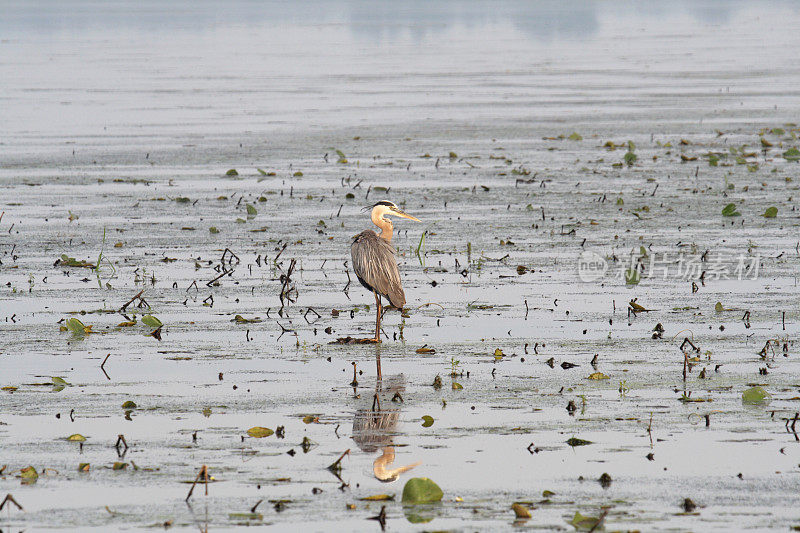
(385,208)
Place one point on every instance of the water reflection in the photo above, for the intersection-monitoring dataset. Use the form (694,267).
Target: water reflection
(374,429)
(368,21)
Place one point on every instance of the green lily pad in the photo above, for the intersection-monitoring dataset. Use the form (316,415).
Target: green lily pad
(75,326)
(584,523)
(630,158)
(771,212)
(232,172)
(421,490)
(29,475)
(730,211)
(129,405)
(427,421)
(792,154)
(756,396)
(150,320)
(76,437)
(251,211)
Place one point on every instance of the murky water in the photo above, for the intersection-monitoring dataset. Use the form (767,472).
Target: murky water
(118,128)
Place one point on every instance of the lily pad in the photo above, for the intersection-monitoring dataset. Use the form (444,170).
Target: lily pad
(771,212)
(150,320)
(730,211)
(29,475)
(427,421)
(129,405)
(597,375)
(259,432)
(77,327)
(756,396)
(584,523)
(378,498)
(232,172)
(76,437)
(421,490)
(792,154)
(520,511)
(251,211)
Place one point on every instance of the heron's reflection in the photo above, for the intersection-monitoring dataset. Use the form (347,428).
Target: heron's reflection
(374,429)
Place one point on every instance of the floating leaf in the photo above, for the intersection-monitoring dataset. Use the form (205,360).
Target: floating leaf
(76,326)
(578,442)
(421,490)
(310,419)
(584,523)
(183,200)
(426,349)
(263,173)
(259,432)
(76,437)
(630,158)
(251,211)
(498,352)
(520,510)
(378,498)
(298,174)
(771,212)
(29,475)
(632,276)
(83,467)
(342,158)
(213,230)
(792,154)
(232,172)
(756,396)
(575,137)
(457,386)
(239,319)
(718,307)
(548,493)
(730,211)
(246,516)
(119,466)
(427,421)
(150,320)
(72,262)
(453,155)
(59,381)
(129,405)
(597,375)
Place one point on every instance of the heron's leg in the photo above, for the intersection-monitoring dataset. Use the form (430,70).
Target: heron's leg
(378,336)
(378,319)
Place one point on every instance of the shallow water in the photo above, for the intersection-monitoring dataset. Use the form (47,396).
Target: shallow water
(112,116)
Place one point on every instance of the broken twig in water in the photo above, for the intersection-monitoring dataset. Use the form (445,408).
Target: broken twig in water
(129,302)
(336,466)
(10,499)
(202,473)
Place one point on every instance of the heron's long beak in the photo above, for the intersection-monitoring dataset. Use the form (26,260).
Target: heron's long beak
(405,215)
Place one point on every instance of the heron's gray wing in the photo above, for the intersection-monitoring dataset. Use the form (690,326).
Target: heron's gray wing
(376,267)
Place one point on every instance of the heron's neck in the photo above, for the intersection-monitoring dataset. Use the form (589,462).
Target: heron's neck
(385,225)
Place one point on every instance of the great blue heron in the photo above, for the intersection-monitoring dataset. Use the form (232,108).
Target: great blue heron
(375,265)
